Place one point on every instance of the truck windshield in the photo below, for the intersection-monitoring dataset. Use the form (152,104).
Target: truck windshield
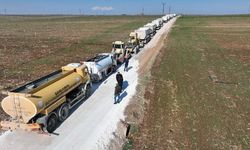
(117,46)
(129,45)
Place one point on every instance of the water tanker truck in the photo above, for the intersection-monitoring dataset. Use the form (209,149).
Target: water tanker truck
(152,27)
(166,18)
(144,35)
(44,103)
(157,23)
(101,66)
(160,21)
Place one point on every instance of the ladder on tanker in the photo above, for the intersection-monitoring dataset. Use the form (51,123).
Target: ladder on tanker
(18,110)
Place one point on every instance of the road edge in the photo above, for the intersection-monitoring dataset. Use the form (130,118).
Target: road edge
(134,111)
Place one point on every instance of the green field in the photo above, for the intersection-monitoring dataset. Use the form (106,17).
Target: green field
(32,46)
(201,96)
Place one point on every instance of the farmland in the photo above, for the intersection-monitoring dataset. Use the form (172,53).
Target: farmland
(31,46)
(201,87)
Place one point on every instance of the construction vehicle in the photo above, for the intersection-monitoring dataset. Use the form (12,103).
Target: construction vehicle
(44,103)
(101,66)
(119,51)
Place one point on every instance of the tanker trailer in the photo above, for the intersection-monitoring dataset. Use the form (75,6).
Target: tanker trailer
(101,66)
(160,21)
(157,23)
(152,27)
(44,103)
(144,34)
(166,18)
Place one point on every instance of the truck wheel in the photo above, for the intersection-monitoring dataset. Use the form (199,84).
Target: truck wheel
(63,112)
(51,123)
(113,69)
(88,91)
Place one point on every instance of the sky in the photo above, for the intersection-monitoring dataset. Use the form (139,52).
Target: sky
(131,7)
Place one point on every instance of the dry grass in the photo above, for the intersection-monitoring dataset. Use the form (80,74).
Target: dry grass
(32,46)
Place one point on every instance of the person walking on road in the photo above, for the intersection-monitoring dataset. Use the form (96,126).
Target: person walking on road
(119,79)
(117,93)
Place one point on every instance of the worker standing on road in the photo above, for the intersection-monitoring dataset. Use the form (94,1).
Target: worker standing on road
(126,64)
(119,79)
(117,93)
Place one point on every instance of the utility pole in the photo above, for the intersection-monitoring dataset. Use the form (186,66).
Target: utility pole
(142,13)
(249,9)
(163,8)
(5,11)
(169,9)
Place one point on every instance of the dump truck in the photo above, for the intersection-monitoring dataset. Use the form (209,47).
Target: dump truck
(101,66)
(119,51)
(42,104)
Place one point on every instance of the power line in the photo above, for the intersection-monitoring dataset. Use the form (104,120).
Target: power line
(142,13)
(163,8)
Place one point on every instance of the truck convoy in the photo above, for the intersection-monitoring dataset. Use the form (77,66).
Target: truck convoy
(101,66)
(42,103)
(166,18)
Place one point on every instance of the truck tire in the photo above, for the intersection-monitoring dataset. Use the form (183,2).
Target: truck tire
(63,112)
(113,68)
(52,123)
(88,91)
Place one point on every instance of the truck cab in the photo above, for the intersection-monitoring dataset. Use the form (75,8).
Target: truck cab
(118,48)
(133,38)
(133,43)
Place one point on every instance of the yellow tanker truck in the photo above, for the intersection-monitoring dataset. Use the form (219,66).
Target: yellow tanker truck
(44,103)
